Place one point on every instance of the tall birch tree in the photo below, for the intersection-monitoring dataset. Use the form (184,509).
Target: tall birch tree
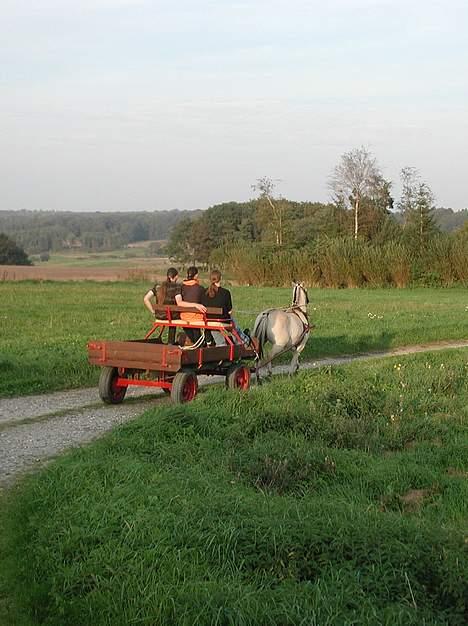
(355,177)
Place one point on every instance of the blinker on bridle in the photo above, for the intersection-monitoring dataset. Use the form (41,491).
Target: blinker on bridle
(296,287)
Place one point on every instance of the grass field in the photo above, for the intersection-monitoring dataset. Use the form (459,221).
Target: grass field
(44,327)
(336,498)
(127,257)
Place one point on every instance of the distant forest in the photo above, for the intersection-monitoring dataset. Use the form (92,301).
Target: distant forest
(53,231)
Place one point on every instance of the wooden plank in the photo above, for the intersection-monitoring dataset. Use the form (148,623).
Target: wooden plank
(158,357)
(134,365)
(138,355)
(218,353)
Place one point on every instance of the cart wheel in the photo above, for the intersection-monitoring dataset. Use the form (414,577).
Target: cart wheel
(108,389)
(238,377)
(167,392)
(184,387)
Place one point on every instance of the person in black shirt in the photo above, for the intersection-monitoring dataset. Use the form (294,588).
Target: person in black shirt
(220,297)
(165,293)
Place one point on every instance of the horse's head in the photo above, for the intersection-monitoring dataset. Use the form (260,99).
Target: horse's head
(300,297)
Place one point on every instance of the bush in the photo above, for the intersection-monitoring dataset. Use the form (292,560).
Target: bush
(10,253)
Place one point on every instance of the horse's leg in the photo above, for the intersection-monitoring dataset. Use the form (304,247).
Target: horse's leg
(276,349)
(257,372)
(296,352)
(294,366)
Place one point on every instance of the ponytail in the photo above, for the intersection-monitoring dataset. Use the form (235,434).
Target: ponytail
(215,277)
(162,291)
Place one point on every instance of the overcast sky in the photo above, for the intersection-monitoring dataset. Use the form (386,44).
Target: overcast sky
(149,104)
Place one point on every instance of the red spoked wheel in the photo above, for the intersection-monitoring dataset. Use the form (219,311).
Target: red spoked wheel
(238,377)
(184,387)
(109,391)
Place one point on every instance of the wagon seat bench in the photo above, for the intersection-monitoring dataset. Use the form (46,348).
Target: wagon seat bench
(225,327)
(150,363)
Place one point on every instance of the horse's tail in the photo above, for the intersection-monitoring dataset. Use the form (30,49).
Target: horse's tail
(260,331)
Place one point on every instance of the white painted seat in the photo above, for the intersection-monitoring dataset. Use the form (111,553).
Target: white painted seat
(174,322)
(209,324)
(212,324)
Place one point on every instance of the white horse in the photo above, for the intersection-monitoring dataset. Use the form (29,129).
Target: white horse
(286,329)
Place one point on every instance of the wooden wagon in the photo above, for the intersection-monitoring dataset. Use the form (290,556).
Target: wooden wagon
(150,362)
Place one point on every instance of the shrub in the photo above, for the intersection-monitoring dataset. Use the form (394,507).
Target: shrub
(12,254)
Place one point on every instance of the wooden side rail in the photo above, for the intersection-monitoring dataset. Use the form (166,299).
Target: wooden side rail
(163,308)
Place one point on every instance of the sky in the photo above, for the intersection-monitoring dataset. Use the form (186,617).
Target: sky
(145,104)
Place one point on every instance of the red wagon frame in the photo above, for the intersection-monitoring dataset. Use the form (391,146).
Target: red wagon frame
(149,362)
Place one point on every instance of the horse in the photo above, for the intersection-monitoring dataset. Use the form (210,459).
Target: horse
(286,329)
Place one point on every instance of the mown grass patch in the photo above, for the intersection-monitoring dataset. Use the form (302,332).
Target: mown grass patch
(44,327)
(336,498)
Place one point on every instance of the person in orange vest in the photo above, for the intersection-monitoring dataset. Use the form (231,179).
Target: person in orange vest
(190,296)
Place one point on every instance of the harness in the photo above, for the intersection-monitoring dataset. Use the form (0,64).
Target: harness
(304,318)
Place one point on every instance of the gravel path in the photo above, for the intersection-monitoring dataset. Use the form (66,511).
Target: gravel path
(34,429)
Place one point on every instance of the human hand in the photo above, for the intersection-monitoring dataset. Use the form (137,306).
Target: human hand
(201,308)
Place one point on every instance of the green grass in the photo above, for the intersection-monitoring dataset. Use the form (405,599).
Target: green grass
(44,327)
(337,498)
(117,258)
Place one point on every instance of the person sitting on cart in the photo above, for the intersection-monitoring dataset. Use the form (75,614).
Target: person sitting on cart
(165,293)
(190,297)
(220,297)
(217,296)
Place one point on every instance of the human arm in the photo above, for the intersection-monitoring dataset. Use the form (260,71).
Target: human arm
(229,303)
(147,301)
(189,305)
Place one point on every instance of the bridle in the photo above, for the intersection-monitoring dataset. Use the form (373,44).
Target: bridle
(297,290)
(300,310)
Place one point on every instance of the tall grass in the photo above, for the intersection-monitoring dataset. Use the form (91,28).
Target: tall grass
(339,497)
(267,266)
(459,260)
(345,262)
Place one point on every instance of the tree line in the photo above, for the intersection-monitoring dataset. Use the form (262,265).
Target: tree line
(364,236)
(362,209)
(52,231)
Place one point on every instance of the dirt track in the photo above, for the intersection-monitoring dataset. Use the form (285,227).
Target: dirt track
(34,429)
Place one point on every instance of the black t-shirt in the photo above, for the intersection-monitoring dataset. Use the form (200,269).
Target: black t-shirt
(191,291)
(221,299)
(172,290)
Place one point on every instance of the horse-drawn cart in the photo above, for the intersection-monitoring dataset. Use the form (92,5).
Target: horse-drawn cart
(149,362)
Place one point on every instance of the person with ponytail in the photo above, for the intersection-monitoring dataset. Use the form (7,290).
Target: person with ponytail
(217,296)
(165,293)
